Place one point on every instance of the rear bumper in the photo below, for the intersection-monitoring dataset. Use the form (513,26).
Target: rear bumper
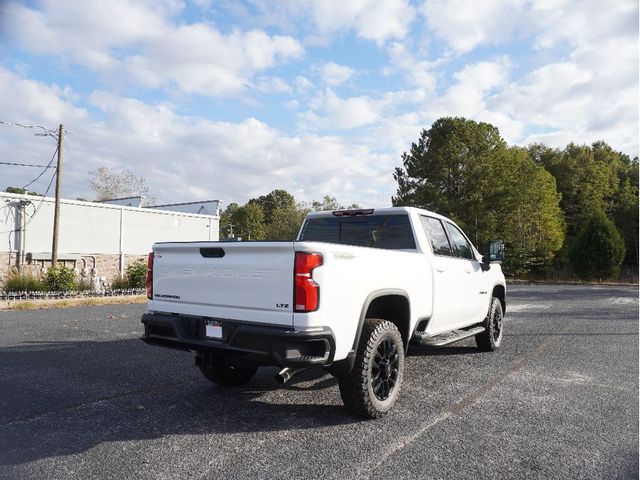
(268,345)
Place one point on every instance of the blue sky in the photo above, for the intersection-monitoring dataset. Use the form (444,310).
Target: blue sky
(230,100)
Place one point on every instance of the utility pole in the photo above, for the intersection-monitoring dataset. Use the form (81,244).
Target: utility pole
(56,215)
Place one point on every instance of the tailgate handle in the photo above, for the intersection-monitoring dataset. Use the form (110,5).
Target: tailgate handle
(215,252)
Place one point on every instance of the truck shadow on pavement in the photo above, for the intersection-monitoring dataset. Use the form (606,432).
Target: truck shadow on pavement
(62,398)
(66,397)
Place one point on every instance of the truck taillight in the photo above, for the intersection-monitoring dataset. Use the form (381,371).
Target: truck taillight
(150,277)
(307,292)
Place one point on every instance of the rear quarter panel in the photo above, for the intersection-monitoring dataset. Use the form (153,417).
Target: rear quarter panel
(350,274)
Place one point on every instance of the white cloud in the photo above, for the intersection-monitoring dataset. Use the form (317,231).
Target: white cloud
(185,157)
(376,20)
(142,41)
(589,92)
(329,111)
(29,101)
(465,24)
(320,20)
(334,74)
(592,93)
(272,85)
(473,94)
(419,73)
(303,84)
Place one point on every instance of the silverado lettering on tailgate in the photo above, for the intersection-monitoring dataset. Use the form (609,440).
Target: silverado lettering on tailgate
(218,272)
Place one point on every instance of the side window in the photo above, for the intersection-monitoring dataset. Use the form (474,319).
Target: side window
(459,242)
(437,236)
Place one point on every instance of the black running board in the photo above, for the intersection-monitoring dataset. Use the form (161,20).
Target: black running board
(448,337)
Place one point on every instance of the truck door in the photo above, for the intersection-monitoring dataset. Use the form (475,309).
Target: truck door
(449,294)
(473,280)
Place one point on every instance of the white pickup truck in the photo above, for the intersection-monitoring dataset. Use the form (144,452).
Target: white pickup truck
(349,295)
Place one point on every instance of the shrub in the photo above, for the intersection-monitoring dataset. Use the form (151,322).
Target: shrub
(16,282)
(60,279)
(136,274)
(598,249)
(84,285)
(119,283)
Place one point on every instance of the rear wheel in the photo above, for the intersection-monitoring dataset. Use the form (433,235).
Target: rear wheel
(228,373)
(491,338)
(372,387)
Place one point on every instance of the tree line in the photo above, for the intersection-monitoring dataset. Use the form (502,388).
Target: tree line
(275,216)
(574,208)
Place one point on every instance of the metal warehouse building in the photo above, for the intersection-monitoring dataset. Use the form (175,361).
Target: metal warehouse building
(97,239)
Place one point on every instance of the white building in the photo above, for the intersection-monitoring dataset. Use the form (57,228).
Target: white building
(97,239)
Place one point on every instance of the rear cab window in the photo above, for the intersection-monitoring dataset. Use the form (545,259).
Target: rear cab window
(390,232)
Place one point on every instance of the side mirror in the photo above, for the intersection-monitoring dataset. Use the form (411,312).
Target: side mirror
(496,251)
(496,254)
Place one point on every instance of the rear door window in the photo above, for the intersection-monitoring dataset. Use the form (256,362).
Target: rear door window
(437,236)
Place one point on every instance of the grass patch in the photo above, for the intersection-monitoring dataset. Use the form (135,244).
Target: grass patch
(27,305)
(73,302)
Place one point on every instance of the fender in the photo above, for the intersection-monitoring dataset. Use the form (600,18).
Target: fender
(344,367)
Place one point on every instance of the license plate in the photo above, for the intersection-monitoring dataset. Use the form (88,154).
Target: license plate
(213,329)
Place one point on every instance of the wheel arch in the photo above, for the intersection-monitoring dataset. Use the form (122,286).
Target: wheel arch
(499,291)
(389,304)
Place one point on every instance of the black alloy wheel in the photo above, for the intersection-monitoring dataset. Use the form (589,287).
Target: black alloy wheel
(384,370)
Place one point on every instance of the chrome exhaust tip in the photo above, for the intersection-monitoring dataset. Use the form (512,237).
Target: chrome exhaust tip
(286,374)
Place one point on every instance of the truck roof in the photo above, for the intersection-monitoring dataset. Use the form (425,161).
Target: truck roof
(379,211)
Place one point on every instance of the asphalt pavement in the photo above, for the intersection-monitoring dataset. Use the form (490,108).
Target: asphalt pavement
(82,397)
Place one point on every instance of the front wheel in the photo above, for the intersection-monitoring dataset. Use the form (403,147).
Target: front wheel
(228,374)
(493,324)
(372,387)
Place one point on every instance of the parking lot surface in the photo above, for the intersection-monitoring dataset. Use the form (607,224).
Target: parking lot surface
(82,397)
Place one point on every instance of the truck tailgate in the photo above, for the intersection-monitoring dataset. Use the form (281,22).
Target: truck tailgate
(251,282)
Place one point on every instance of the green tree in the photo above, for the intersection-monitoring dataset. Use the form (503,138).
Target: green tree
(598,250)
(625,215)
(248,222)
(592,179)
(523,209)
(464,170)
(286,222)
(330,203)
(277,199)
(446,170)
(21,191)
(226,225)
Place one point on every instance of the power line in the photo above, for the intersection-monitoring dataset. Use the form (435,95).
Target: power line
(46,132)
(26,164)
(36,209)
(44,170)
(42,200)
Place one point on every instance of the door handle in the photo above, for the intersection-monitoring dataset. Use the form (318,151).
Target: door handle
(440,269)
(468,270)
